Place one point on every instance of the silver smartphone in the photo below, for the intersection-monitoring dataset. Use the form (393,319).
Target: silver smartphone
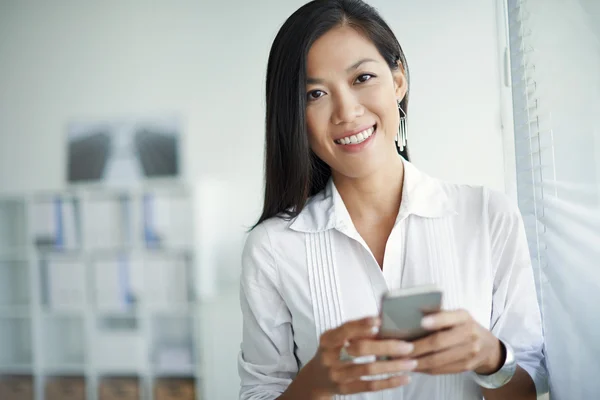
(402,311)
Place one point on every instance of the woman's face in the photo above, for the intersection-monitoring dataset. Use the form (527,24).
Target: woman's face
(352,110)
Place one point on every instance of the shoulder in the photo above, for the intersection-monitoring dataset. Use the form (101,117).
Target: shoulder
(258,262)
(267,246)
(479,198)
(482,206)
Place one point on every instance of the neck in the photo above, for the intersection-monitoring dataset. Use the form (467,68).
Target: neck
(373,197)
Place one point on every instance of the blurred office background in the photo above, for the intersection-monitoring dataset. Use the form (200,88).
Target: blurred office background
(131,159)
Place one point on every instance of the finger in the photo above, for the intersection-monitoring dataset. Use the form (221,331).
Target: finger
(374,385)
(352,372)
(362,328)
(457,359)
(439,341)
(390,348)
(445,319)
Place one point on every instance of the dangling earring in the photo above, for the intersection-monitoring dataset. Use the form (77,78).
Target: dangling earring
(401,135)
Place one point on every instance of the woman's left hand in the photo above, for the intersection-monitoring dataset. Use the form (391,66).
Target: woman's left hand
(458,344)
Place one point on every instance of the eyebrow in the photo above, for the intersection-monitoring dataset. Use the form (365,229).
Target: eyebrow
(315,81)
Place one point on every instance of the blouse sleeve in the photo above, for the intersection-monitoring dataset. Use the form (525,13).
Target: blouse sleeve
(515,311)
(266,362)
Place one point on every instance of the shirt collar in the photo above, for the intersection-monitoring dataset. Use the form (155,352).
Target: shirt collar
(422,195)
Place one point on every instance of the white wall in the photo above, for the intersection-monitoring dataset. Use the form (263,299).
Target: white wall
(62,60)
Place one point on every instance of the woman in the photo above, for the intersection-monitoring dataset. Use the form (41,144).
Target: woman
(346,219)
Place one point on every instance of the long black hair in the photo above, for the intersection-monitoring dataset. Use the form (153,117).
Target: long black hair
(293,172)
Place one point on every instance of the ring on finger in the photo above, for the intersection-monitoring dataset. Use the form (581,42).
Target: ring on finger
(344,356)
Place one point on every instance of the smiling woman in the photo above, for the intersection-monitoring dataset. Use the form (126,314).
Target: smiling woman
(348,218)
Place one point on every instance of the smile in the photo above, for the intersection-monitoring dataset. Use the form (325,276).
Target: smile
(357,138)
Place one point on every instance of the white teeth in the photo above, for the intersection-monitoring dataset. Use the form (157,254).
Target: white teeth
(358,138)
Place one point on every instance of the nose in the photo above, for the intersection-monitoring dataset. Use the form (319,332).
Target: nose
(347,108)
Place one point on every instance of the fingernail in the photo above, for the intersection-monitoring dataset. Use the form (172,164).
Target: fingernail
(405,348)
(428,322)
(374,330)
(412,364)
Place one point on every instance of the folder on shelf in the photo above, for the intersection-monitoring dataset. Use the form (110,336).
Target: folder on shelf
(70,233)
(167,221)
(45,218)
(56,224)
(151,238)
(112,279)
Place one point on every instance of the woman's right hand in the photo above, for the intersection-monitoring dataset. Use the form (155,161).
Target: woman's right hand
(330,376)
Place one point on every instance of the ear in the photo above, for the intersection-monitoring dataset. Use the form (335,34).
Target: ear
(400,81)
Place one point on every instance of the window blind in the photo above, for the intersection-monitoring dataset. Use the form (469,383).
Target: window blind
(555,79)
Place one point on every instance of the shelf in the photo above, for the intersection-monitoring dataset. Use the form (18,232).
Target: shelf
(177,311)
(64,341)
(169,281)
(15,254)
(108,313)
(58,313)
(13,225)
(16,341)
(138,251)
(108,222)
(15,312)
(49,252)
(56,223)
(172,344)
(64,369)
(49,196)
(167,221)
(117,284)
(62,283)
(106,277)
(120,344)
(16,369)
(185,371)
(103,193)
(14,284)
(120,371)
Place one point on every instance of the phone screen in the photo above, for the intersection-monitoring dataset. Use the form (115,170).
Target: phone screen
(402,312)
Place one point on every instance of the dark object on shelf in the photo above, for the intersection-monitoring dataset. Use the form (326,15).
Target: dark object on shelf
(65,388)
(122,388)
(16,387)
(174,389)
(88,157)
(157,152)
(45,242)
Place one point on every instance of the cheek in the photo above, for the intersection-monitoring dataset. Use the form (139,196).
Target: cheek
(389,115)
(317,123)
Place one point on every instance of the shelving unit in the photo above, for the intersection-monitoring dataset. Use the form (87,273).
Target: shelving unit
(97,294)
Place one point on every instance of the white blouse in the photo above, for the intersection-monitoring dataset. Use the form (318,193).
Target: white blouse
(302,277)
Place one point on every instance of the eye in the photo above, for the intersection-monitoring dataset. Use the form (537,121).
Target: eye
(315,94)
(364,77)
